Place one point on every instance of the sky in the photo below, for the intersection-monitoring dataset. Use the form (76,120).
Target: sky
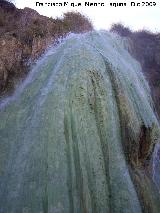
(102,17)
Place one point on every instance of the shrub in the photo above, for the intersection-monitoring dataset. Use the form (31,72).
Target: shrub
(120,29)
(76,22)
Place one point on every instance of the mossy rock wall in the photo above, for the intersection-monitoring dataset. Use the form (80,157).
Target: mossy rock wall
(80,134)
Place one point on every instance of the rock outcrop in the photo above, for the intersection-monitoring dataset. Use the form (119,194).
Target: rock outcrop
(24,37)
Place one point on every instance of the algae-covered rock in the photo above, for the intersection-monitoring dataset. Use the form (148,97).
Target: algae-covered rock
(79,135)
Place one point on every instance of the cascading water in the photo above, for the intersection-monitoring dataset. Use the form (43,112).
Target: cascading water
(79,134)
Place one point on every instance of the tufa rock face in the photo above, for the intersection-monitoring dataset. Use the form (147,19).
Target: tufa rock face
(145,47)
(24,37)
(80,134)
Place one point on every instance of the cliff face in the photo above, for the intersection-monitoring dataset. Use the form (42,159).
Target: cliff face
(25,35)
(146,49)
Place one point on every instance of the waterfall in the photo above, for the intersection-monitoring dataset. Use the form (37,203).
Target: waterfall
(79,134)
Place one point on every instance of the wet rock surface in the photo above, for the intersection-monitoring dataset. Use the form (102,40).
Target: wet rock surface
(80,133)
